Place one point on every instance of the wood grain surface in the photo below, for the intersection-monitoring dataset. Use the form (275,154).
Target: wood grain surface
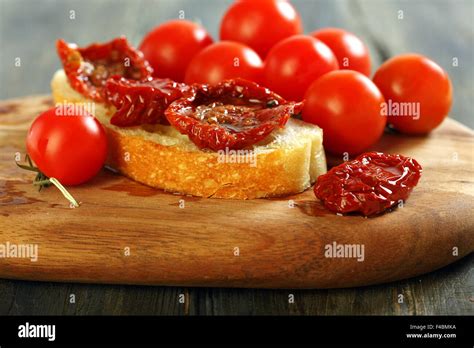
(279,246)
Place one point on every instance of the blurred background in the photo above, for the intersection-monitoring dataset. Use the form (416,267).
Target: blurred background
(441,29)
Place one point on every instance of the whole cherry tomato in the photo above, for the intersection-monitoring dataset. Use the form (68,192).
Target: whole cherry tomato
(418,93)
(346,105)
(294,63)
(170,47)
(67,143)
(350,51)
(260,24)
(224,60)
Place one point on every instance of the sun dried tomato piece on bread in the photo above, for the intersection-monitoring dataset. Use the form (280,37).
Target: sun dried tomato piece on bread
(88,68)
(287,161)
(233,114)
(142,102)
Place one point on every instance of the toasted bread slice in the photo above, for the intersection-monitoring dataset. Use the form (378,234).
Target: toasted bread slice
(288,161)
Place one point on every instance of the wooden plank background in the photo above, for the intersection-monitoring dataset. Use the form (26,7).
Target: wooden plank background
(449,291)
(440,29)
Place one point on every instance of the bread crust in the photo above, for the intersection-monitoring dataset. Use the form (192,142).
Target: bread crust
(263,172)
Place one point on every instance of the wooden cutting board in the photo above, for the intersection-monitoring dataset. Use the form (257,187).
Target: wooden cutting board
(212,242)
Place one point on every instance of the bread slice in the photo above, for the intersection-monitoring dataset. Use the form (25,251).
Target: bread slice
(288,161)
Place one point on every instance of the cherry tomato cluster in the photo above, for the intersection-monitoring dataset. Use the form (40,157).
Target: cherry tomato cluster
(330,69)
(261,41)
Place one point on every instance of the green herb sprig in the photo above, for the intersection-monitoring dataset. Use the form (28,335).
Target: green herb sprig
(41,180)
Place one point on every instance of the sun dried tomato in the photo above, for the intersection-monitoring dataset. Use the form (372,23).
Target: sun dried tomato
(370,184)
(142,102)
(232,114)
(88,68)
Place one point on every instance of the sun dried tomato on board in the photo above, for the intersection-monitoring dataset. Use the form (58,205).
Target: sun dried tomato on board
(370,184)
(88,68)
(142,102)
(232,114)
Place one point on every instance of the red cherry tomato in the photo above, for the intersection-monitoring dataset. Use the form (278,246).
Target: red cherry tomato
(170,47)
(260,24)
(69,145)
(294,63)
(350,51)
(224,60)
(418,93)
(346,105)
